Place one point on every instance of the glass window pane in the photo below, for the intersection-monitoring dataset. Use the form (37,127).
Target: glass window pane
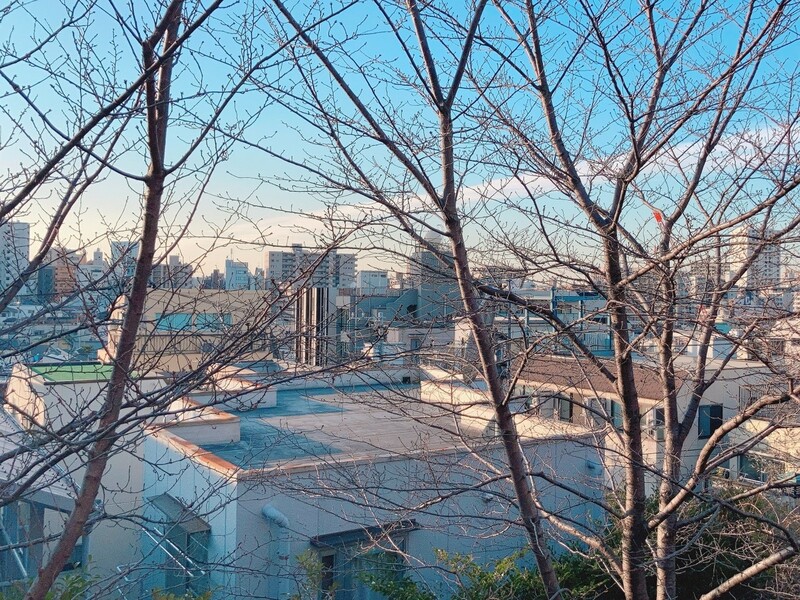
(616,414)
(564,408)
(709,419)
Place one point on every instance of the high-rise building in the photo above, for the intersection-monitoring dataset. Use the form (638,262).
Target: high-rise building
(92,272)
(215,281)
(46,282)
(302,267)
(258,281)
(438,289)
(15,242)
(237,275)
(172,275)
(373,281)
(748,244)
(123,258)
(66,278)
(315,326)
(401,280)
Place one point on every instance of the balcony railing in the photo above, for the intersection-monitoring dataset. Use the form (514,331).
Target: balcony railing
(787,412)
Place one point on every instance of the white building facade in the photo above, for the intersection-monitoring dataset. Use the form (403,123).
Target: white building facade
(334,476)
(15,241)
(300,266)
(749,245)
(372,281)
(237,275)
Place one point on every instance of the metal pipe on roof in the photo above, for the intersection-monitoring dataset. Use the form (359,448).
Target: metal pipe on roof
(273,515)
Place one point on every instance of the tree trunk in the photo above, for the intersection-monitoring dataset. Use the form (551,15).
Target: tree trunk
(517,462)
(157,94)
(634,524)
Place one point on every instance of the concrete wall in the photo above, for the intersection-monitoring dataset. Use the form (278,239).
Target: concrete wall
(210,493)
(326,501)
(112,542)
(385,375)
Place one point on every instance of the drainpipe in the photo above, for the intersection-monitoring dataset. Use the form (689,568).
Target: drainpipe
(276,517)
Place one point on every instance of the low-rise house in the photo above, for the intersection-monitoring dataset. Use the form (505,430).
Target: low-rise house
(34,506)
(56,405)
(353,480)
(573,390)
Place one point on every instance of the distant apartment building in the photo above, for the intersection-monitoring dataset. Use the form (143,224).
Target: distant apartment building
(438,290)
(372,281)
(400,280)
(172,275)
(704,273)
(258,281)
(337,316)
(45,282)
(237,275)
(15,241)
(65,272)
(215,281)
(65,278)
(300,266)
(123,258)
(750,245)
(92,272)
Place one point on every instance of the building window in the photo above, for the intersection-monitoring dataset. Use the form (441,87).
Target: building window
(595,412)
(211,321)
(352,561)
(15,532)
(761,468)
(350,572)
(615,412)
(565,408)
(416,344)
(541,405)
(709,419)
(182,540)
(173,321)
(22,526)
(657,425)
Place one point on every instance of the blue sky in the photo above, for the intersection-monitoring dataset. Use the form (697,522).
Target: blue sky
(243,208)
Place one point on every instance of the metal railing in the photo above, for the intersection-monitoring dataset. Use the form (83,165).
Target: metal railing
(178,560)
(16,552)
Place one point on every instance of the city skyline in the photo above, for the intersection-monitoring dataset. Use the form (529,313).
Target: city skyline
(579,381)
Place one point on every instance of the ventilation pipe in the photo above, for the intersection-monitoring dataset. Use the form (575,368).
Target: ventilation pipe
(280,520)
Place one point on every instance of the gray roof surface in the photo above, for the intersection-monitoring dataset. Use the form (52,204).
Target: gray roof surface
(311,424)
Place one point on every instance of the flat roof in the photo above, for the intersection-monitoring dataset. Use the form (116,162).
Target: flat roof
(274,434)
(73,372)
(309,426)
